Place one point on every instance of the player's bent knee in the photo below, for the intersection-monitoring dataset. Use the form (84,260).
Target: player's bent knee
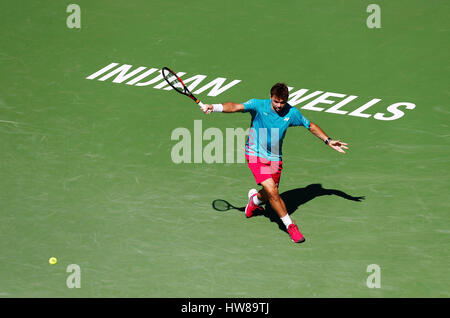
(271,190)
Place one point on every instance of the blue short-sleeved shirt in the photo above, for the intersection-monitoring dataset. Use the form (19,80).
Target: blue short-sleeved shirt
(268,128)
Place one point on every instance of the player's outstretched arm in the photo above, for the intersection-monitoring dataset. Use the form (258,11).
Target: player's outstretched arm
(335,144)
(225,108)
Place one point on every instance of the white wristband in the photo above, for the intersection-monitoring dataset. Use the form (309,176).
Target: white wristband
(218,108)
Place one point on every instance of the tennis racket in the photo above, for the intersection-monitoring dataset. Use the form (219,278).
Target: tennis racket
(177,84)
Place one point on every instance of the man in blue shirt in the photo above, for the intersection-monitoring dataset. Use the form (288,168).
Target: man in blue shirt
(270,120)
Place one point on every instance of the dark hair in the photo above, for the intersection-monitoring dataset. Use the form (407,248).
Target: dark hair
(280,90)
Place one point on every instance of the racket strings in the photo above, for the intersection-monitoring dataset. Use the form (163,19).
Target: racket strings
(174,82)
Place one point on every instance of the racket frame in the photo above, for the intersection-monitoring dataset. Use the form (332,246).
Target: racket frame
(185,91)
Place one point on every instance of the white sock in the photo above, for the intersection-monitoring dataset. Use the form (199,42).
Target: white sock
(256,200)
(286,220)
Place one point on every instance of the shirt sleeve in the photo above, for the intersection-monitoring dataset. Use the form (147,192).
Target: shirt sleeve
(250,106)
(298,119)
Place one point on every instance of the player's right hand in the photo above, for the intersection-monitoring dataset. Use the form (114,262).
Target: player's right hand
(207,109)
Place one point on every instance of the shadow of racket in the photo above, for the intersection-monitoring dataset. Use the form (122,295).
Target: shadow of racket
(222,206)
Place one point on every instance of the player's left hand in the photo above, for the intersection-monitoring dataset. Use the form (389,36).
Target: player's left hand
(338,145)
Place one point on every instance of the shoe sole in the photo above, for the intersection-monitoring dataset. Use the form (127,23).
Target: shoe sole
(246,212)
(300,241)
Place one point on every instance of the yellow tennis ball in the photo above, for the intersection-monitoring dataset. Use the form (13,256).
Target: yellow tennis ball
(52,260)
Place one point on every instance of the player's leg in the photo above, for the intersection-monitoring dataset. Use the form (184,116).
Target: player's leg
(254,198)
(262,196)
(277,203)
(270,190)
(274,169)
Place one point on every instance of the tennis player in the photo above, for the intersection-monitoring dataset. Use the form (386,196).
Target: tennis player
(270,120)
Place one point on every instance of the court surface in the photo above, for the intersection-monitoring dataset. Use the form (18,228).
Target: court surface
(87,173)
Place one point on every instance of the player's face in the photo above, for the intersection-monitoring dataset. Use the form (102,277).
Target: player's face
(278,103)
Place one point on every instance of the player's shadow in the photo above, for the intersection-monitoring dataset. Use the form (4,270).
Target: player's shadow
(292,199)
(297,197)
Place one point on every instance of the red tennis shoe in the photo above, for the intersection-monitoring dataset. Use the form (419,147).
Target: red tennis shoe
(251,206)
(295,234)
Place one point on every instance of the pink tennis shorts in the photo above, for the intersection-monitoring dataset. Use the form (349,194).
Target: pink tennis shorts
(264,169)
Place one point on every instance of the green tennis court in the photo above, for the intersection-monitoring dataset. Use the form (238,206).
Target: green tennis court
(89,171)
